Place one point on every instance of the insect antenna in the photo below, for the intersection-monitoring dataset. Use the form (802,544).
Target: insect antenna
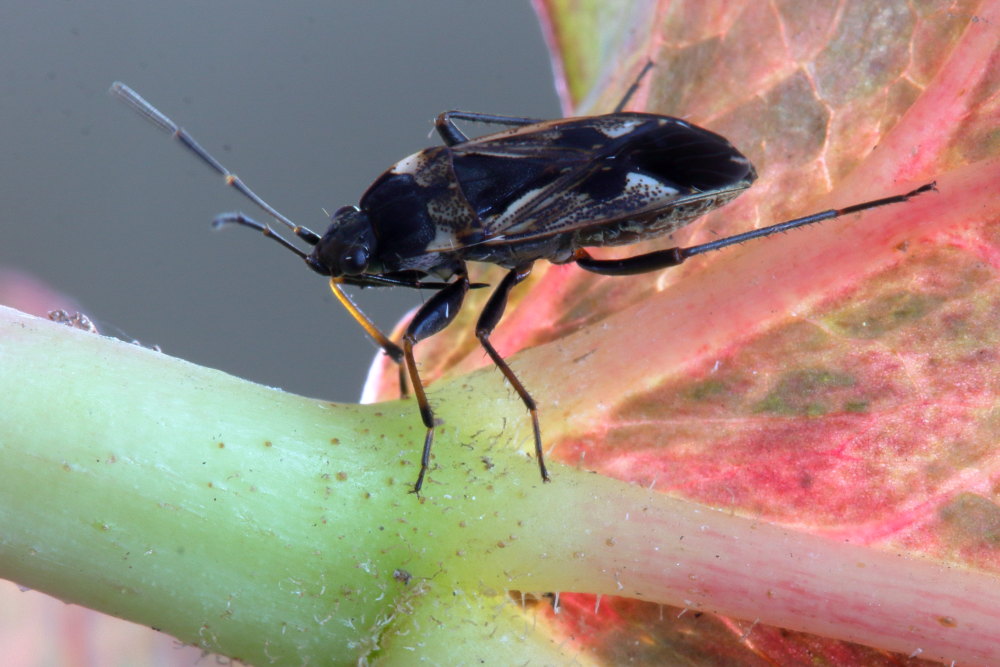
(238,218)
(157,118)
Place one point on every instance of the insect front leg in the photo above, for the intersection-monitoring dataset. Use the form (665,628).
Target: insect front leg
(394,351)
(439,311)
(451,135)
(488,321)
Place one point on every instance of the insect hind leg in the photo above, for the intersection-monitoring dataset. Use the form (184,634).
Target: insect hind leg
(634,87)
(662,259)
(488,321)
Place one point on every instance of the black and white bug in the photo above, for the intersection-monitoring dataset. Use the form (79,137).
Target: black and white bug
(542,189)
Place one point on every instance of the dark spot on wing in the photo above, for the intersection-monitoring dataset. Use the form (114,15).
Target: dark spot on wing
(491,182)
(688,156)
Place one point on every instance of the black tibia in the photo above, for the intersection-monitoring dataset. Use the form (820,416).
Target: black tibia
(439,311)
(662,259)
(634,87)
(451,135)
(488,320)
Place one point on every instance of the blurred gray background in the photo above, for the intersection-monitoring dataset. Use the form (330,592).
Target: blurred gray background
(307,101)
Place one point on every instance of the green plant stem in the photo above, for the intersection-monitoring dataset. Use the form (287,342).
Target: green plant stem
(244,520)
(267,526)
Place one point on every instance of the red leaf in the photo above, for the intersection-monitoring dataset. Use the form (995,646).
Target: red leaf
(843,379)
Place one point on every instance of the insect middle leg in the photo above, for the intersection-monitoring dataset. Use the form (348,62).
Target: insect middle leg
(439,311)
(488,321)
(451,135)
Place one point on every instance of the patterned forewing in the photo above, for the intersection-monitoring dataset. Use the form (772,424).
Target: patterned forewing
(575,174)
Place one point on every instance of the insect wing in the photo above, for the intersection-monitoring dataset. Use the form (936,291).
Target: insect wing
(574,174)
(498,173)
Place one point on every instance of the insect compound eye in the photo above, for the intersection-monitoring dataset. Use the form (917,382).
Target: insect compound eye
(354,261)
(349,244)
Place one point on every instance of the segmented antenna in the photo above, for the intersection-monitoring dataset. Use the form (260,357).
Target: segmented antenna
(153,115)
